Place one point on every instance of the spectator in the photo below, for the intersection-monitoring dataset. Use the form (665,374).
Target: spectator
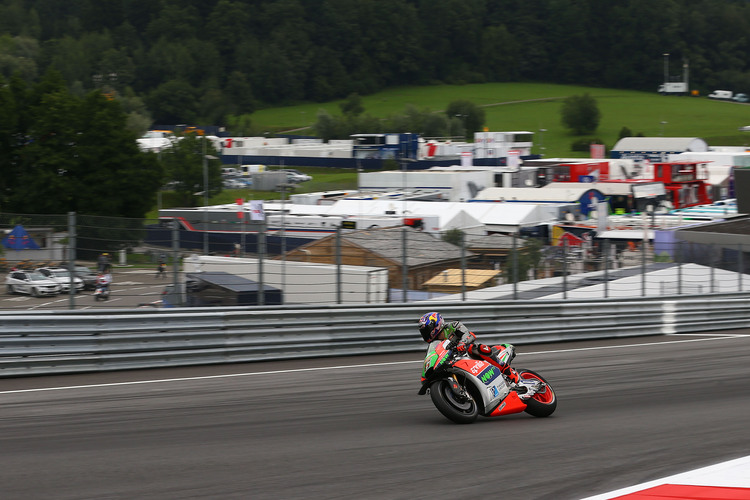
(103,262)
(161,271)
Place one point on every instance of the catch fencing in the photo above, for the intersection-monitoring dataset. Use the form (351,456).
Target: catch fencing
(476,269)
(50,342)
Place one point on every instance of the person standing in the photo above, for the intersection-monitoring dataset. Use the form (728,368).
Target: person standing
(161,271)
(103,262)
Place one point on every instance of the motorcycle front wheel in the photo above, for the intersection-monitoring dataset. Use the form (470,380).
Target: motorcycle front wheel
(544,402)
(461,410)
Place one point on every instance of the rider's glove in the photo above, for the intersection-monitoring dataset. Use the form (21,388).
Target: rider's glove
(462,347)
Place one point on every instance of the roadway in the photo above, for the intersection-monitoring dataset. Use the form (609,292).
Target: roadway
(630,410)
(131,287)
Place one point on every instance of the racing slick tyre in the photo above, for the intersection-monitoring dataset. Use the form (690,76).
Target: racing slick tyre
(544,402)
(461,410)
(35,292)
(11,291)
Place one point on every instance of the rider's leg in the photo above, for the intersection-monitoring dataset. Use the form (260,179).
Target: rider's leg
(499,356)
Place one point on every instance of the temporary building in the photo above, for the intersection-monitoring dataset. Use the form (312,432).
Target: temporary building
(19,239)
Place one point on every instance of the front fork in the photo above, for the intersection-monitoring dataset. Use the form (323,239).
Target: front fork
(457,389)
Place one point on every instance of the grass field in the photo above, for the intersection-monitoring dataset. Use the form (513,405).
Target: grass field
(519,106)
(536,106)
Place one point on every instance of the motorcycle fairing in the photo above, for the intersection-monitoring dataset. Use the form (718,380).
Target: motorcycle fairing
(492,388)
(511,404)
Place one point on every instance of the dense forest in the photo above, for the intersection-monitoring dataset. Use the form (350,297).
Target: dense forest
(212,61)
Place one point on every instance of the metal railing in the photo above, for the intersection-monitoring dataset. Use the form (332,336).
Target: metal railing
(49,342)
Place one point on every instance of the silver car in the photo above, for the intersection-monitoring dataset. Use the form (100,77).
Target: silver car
(32,283)
(62,277)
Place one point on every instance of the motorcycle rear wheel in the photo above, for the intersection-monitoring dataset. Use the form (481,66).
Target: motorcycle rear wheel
(460,412)
(544,402)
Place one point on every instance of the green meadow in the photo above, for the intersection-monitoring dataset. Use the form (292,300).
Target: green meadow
(515,107)
(536,106)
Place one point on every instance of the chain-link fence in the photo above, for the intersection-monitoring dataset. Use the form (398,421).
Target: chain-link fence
(168,262)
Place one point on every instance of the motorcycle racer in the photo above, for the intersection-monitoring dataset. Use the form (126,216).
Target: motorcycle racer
(433,328)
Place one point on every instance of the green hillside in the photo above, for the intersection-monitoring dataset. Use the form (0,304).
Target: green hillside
(533,106)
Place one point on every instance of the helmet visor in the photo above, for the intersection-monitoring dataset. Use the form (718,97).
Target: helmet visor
(426,331)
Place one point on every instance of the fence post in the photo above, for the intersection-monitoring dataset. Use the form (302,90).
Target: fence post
(463,267)
(679,267)
(338,265)
(606,268)
(740,267)
(261,253)
(514,260)
(178,292)
(404,266)
(643,264)
(72,259)
(565,269)
(712,249)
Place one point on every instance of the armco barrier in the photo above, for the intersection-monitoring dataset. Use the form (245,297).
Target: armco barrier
(49,342)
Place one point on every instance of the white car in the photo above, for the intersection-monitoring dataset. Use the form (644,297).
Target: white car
(296,176)
(61,276)
(32,283)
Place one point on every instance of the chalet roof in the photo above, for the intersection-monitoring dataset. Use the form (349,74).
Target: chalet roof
(731,232)
(492,241)
(422,248)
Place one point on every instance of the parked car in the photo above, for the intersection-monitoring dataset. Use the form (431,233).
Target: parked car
(32,283)
(237,183)
(741,98)
(62,277)
(295,175)
(86,275)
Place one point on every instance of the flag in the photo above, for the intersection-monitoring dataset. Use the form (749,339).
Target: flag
(256,210)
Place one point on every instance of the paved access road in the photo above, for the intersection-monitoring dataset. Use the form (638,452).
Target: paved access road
(630,410)
(131,288)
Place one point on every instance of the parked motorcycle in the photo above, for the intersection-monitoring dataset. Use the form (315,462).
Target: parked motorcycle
(461,388)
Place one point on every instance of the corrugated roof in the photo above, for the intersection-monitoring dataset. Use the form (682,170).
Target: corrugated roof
(422,248)
(492,241)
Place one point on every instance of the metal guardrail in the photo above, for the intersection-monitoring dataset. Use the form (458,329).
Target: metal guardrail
(51,342)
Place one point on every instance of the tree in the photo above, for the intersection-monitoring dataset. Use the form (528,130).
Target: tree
(580,114)
(183,163)
(522,260)
(352,105)
(74,154)
(471,116)
(453,236)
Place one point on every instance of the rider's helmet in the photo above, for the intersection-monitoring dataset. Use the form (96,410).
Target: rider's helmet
(430,326)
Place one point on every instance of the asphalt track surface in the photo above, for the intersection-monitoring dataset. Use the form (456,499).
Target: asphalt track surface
(630,411)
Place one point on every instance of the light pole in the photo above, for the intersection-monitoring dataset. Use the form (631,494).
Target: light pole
(205,199)
(206,157)
(666,68)
(541,140)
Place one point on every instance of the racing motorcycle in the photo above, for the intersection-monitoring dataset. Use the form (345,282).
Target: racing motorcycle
(461,388)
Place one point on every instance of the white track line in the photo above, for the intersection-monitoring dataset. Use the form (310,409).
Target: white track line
(343,367)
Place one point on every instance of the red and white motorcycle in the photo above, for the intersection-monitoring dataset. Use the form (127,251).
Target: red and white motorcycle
(462,388)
